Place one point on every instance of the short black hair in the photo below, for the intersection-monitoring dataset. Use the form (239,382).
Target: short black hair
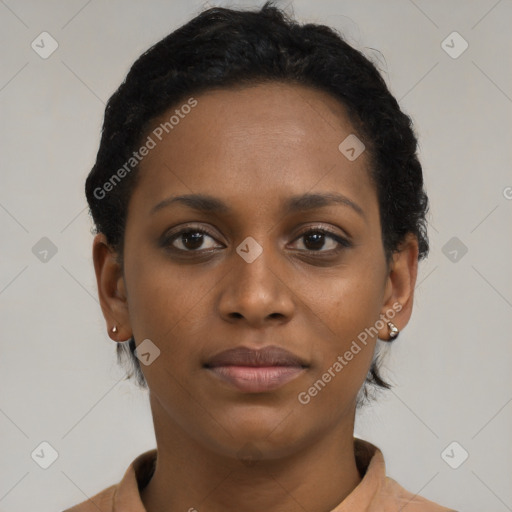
(228,48)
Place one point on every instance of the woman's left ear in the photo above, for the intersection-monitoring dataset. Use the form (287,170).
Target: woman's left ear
(401,280)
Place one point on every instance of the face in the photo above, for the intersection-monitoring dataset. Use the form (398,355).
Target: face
(268,262)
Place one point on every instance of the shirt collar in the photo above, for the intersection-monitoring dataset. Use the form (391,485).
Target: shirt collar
(369,460)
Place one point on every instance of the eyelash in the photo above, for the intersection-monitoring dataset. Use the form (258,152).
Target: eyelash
(343,243)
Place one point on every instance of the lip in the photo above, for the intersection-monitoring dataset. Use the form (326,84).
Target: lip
(256,371)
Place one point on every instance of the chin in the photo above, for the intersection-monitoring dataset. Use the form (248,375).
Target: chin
(270,436)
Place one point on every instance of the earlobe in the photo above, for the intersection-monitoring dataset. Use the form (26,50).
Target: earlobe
(401,280)
(111,289)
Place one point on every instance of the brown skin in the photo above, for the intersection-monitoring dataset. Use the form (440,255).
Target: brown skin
(253,148)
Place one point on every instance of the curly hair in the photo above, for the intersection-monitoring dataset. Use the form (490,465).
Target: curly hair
(227,48)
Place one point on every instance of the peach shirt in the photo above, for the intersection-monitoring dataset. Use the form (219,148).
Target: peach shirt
(375,493)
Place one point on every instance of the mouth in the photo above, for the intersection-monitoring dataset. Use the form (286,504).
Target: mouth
(256,371)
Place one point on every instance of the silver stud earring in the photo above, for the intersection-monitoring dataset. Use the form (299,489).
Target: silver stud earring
(393,331)
(114,329)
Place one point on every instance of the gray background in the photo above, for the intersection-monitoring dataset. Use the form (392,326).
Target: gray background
(59,379)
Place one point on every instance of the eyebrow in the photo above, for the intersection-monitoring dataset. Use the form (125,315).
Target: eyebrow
(209,204)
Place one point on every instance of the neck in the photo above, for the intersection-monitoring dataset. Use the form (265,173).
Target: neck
(189,476)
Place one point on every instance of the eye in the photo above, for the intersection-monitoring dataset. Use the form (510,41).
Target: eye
(315,239)
(191,239)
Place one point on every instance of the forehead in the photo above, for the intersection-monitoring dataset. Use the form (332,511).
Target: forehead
(259,143)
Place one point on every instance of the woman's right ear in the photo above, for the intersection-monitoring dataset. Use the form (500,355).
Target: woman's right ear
(111,289)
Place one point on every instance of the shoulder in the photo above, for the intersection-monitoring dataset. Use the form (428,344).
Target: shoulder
(378,492)
(394,494)
(118,496)
(100,502)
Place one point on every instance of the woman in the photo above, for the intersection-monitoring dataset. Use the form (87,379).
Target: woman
(260,214)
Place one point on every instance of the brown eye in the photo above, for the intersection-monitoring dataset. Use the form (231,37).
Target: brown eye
(314,240)
(189,240)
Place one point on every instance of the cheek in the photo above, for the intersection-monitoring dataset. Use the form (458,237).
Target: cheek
(349,302)
(159,297)
(346,308)
(170,306)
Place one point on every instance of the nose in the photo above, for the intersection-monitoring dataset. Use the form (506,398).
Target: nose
(256,291)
